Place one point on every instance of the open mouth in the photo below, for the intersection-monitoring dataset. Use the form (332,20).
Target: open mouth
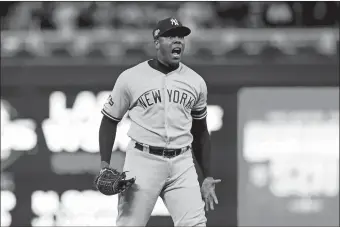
(176,52)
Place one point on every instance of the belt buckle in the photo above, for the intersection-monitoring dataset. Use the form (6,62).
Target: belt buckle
(168,156)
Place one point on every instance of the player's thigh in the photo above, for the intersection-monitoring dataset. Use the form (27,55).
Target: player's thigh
(186,207)
(135,205)
(184,201)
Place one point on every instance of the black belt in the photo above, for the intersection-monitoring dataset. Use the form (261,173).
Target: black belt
(161,151)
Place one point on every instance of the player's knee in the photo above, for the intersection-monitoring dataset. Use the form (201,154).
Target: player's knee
(203,224)
(196,223)
(198,219)
(130,221)
(200,222)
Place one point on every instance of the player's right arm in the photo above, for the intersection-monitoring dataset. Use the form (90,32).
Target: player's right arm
(107,136)
(113,111)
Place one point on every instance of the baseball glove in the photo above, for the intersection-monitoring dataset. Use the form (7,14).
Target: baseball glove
(111,182)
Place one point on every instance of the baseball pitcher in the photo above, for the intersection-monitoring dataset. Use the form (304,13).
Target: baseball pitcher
(167,104)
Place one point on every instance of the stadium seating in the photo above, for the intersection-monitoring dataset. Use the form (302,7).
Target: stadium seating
(111,29)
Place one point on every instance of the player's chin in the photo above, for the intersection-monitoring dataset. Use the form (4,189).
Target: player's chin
(175,58)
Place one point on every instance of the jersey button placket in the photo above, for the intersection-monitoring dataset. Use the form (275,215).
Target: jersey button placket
(165,111)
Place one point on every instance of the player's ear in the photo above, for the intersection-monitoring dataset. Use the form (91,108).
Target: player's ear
(156,41)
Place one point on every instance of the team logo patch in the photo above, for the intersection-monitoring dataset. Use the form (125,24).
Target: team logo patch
(110,100)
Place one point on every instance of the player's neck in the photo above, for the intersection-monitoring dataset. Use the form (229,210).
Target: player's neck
(159,66)
(167,65)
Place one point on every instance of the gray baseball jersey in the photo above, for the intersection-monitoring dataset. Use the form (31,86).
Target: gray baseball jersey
(161,106)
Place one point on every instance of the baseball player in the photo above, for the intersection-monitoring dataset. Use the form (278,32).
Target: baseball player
(167,104)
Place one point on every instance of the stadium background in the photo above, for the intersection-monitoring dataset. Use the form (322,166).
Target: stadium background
(273,78)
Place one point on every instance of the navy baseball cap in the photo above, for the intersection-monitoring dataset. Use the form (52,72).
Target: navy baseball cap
(170,26)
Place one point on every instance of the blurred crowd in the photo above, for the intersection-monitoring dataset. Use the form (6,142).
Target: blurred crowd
(86,15)
(108,29)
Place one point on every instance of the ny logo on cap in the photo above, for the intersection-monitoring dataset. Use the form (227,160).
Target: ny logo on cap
(174,21)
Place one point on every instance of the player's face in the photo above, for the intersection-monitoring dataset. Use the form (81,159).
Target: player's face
(170,48)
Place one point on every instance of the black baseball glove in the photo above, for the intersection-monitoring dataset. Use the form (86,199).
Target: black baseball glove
(111,182)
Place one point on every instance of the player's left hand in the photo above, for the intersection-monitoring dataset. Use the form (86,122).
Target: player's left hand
(208,192)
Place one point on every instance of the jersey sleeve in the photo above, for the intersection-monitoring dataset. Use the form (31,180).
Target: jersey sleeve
(118,101)
(199,110)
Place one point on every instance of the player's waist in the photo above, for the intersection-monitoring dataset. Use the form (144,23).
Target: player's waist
(161,151)
(159,137)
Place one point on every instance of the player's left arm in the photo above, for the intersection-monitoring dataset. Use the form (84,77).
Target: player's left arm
(201,144)
(201,147)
